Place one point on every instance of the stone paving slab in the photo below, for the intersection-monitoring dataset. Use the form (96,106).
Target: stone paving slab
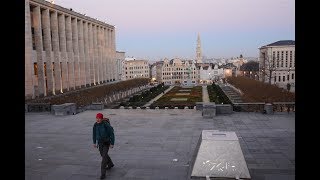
(148,141)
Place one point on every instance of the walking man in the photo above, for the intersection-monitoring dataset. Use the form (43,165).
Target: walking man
(103,138)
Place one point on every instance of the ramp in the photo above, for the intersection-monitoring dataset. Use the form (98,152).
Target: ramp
(219,155)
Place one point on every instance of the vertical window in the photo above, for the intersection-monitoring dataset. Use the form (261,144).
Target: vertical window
(273,58)
(290,59)
(33,40)
(286,58)
(35,68)
(61,69)
(292,76)
(281,58)
(275,78)
(45,69)
(277,58)
(283,78)
(43,48)
(288,77)
(279,79)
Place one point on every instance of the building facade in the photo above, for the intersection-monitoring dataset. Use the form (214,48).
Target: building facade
(65,50)
(177,72)
(209,73)
(277,64)
(136,69)
(121,65)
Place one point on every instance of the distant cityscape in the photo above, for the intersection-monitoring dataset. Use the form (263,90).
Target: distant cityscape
(66,51)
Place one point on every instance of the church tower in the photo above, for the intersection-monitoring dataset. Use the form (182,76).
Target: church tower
(199,54)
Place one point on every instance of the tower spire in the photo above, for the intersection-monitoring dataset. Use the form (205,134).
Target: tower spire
(198,51)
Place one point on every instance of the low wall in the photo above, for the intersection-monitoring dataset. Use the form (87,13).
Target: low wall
(64,109)
(224,109)
(209,110)
(37,107)
(95,106)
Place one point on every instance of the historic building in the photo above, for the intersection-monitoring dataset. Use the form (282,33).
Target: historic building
(136,69)
(198,50)
(65,50)
(177,72)
(209,73)
(277,64)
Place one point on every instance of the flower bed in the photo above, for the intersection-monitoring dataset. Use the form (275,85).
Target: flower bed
(174,97)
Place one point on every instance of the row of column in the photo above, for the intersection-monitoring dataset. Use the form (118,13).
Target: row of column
(77,53)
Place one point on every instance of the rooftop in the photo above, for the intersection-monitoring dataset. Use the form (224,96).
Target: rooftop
(153,144)
(282,43)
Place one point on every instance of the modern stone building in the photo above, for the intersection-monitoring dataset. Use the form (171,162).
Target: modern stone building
(277,64)
(65,50)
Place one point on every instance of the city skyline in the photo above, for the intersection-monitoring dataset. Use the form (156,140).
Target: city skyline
(157,29)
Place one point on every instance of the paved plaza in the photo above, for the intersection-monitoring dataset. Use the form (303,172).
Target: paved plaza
(153,144)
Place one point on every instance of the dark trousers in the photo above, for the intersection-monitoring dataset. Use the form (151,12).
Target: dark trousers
(106,160)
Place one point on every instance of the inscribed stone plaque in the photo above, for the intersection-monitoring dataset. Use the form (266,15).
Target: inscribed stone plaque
(220,156)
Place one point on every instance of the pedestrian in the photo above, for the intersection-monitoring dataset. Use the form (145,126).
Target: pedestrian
(103,138)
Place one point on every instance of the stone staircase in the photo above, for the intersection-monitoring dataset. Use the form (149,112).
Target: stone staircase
(232,94)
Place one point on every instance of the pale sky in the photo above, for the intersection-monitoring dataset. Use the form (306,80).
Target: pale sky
(155,29)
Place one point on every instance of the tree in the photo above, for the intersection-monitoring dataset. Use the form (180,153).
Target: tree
(268,65)
(250,66)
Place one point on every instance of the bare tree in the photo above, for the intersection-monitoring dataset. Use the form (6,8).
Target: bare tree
(267,65)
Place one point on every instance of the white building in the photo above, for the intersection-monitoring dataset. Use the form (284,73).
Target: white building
(153,72)
(136,69)
(277,64)
(209,72)
(177,72)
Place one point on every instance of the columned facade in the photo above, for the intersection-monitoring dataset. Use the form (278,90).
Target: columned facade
(65,50)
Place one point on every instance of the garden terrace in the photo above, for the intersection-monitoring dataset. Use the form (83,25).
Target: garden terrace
(180,97)
(87,96)
(140,99)
(256,91)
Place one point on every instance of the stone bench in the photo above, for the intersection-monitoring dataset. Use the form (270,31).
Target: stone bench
(199,106)
(64,109)
(224,109)
(37,107)
(209,110)
(96,106)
